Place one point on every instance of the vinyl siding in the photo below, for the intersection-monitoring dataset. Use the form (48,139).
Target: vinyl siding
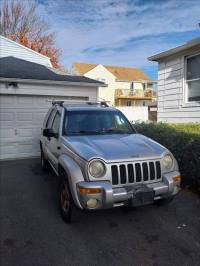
(172,107)
(10,48)
(51,90)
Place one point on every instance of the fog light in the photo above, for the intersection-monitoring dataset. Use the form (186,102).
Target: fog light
(177,179)
(90,190)
(92,203)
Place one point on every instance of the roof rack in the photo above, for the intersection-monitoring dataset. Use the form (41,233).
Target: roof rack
(58,102)
(101,103)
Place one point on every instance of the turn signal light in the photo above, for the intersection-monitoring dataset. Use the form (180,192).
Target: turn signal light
(90,190)
(177,179)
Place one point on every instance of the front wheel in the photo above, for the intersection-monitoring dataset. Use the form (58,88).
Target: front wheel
(67,208)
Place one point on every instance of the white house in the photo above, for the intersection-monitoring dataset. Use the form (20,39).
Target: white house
(179,83)
(126,86)
(27,89)
(11,48)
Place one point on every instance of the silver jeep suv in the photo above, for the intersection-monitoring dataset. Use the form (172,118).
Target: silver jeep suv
(101,160)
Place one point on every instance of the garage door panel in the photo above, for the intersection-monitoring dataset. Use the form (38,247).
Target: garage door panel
(40,116)
(25,99)
(25,132)
(25,116)
(6,99)
(45,101)
(37,132)
(26,148)
(29,133)
(7,116)
(17,150)
(7,150)
(6,134)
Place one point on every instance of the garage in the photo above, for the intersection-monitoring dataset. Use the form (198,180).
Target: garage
(26,97)
(21,117)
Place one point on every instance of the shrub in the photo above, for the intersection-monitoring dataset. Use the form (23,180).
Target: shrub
(183,140)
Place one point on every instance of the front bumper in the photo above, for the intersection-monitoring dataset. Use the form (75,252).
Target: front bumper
(118,196)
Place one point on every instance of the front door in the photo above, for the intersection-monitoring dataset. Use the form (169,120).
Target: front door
(52,144)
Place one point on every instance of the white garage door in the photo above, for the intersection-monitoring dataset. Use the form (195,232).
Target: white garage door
(21,119)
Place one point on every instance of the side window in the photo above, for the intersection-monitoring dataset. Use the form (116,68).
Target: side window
(193,78)
(50,118)
(56,123)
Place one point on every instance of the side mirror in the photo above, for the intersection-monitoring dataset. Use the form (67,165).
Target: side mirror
(48,132)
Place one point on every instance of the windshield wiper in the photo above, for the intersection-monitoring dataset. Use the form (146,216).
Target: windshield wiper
(115,130)
(82,132)
(103,131)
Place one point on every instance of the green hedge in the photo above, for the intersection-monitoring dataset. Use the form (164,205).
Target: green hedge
(183,140)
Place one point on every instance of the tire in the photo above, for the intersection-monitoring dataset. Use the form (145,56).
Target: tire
(44,162)
(165,201)
(69,212)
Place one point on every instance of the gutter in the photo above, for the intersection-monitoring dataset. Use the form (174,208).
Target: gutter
(49,82)
(141,80)
(175,50)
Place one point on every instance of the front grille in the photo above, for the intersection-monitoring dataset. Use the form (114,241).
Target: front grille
(129,173)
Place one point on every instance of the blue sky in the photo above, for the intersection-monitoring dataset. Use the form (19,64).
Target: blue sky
(120,32)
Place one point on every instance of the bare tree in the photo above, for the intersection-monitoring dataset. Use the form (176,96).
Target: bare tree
(20,22)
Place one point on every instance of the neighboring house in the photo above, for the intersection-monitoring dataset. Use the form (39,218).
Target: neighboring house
(11,48)
(179,83)
(125,86)
(26,93)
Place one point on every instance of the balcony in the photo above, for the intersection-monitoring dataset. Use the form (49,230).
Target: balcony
(129,97)
(134,94)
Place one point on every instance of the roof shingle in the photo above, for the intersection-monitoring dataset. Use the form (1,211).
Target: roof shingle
(12,67)
(121,73)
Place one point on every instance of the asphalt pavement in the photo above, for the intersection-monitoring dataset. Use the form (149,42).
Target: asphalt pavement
(33,233)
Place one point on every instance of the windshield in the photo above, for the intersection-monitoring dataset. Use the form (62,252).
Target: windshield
(96,122)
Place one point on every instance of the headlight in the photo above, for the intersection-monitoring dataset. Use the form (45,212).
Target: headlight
(97,168)
(167,161)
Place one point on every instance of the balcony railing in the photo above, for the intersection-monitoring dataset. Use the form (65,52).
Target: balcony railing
(137,93)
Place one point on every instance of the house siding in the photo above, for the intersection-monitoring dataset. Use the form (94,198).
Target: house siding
(104,93)
(172,107)
(51,90)
(108,93)
(11,48)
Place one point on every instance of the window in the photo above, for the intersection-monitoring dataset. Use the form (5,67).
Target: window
(56,123)
(193,78)
(150,86)
(128,103)
(50,118)
(90,122)
(132,86)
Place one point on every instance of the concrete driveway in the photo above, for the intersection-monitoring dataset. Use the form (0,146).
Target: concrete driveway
(32,232)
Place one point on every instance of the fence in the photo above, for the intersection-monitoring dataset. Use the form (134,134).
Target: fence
(135,113)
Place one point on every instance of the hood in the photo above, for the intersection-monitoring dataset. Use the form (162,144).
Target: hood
(115,147)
